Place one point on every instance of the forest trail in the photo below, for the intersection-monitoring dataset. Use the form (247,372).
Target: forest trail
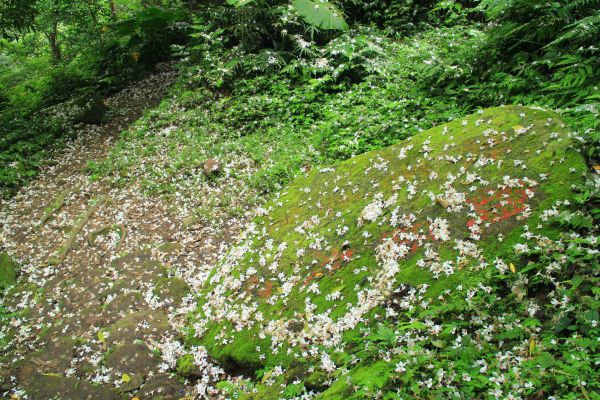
(104,274)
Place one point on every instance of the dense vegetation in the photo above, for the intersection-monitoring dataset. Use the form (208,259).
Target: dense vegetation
(54,51)
(275,87)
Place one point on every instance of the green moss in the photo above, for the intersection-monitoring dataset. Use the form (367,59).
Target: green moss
(185,365)
(8,271)
(172,288)
(336,197)
(170,247)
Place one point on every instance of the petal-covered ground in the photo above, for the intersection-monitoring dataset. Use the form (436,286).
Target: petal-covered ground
(345,247)
(123,294)
(103,273)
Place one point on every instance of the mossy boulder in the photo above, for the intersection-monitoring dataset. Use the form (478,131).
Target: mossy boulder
(137,324)
(162,387)
(187,368)
(444,209)
(8,271)
(89,109)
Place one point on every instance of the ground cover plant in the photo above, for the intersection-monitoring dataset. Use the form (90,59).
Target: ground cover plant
(310,199)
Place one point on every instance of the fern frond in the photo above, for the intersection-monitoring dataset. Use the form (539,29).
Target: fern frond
(577,5)
(586,30)
(494,8)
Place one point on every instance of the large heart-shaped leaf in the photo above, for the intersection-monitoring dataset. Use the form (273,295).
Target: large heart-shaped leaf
(320,13)
(239,3)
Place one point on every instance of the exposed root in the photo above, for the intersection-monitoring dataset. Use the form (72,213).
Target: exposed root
(92,236)
(78,226)
(56,205)
(123,230)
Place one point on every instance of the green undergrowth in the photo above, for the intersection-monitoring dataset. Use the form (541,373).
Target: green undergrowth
(312,290)
(94,54)
(8,279)
(267,125)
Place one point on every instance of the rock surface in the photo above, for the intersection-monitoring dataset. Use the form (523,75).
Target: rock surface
(344,245)
(89,109)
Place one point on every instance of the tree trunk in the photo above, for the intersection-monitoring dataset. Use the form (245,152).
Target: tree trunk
(95,22)
(113,10)
(52,37)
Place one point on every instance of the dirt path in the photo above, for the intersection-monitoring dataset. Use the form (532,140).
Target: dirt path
(105,274)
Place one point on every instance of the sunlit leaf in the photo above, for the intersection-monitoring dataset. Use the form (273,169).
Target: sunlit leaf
(320,14)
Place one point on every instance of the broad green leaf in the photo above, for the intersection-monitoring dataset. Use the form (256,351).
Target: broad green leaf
(240,3)
(320,14)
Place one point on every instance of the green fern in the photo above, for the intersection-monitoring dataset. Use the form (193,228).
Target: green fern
(583,4)
(586,30)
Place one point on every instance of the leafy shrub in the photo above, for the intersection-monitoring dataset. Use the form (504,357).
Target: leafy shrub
(403,16)
(530,44)
(137,43)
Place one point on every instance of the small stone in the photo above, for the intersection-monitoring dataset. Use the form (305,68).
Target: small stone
(295,326)
(212,167)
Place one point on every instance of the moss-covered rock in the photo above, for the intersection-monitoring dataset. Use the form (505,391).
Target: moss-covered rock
(89,109)
(162,387)
(144,323)
(54,386)
(187,368)
(446,208)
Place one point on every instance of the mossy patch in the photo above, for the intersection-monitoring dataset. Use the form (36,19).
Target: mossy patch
(171,288)
(136,324)
(440,210)
(8,271)
(186,366)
